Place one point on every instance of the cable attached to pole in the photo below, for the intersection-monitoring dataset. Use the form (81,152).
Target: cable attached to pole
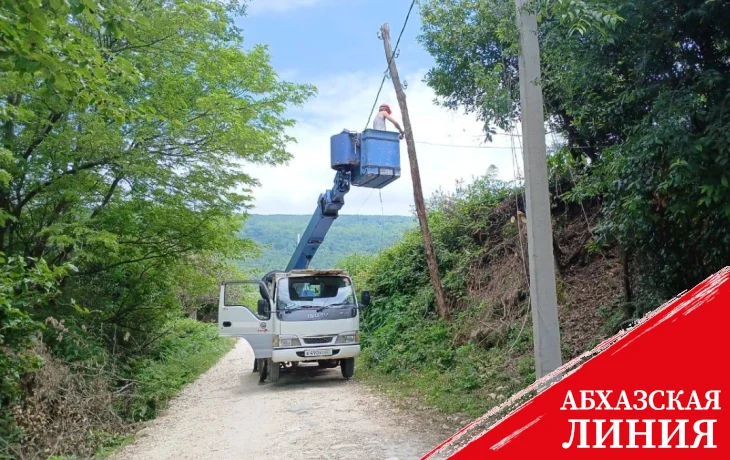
(387,70)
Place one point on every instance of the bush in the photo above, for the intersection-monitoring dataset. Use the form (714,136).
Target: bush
(185,351)
(485,354)
(73,397)
(67,410)
(24,284)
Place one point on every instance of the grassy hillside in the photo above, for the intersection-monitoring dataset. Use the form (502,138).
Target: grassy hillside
(484,354)
(277,236)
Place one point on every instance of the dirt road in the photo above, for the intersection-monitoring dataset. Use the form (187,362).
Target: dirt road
(312,414)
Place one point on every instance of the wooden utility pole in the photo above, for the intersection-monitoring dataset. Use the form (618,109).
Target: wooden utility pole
(433,268)
(543,296)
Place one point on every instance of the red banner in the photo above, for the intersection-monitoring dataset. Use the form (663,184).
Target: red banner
(657,390)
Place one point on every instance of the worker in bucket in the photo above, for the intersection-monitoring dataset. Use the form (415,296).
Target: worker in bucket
(384,114)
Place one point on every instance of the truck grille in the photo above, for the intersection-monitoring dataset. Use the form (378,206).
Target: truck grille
(317,340)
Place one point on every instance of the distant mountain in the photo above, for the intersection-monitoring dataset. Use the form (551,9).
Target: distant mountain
(277,236)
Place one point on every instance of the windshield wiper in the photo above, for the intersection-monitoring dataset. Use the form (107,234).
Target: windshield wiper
(338,304)
(300,307)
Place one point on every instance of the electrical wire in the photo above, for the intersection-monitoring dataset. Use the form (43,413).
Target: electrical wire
(366,200)
(517,174)
(382,219)
(385,74)
(517,136)
(461,146)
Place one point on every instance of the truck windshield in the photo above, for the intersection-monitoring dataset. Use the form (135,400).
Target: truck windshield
(314,292)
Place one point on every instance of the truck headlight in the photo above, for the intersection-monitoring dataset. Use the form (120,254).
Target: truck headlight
(348,337)
(286,341)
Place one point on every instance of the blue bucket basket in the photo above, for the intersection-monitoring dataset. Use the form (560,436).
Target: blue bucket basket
(373,157)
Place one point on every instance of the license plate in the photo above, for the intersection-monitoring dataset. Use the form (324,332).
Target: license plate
(325,352)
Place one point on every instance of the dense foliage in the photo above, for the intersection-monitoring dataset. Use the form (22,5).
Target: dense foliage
(277,238)
(644,102)
(484,354)
(405,340)
(125,131)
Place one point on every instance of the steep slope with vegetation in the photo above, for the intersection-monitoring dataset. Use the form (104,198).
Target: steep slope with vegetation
(485,353)
(125,128)
(276,236)
(640,192)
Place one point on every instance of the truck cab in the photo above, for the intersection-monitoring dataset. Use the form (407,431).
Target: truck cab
(294,317)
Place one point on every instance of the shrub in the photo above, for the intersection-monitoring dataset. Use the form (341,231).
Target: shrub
(185,351)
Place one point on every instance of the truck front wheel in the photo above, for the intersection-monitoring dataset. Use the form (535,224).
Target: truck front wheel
(348,367)
(274,369)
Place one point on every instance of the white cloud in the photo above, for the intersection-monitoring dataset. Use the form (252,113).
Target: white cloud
(278,6)
(342,103)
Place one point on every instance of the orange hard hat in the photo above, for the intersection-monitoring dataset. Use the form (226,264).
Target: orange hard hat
(385,107)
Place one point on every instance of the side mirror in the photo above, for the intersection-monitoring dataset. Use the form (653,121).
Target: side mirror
(365,298)
(263,308)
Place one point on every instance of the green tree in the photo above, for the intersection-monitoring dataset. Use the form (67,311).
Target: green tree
(127,142)
(126,129)
(476,47)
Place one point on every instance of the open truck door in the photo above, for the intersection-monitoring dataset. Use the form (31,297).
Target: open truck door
(245,310)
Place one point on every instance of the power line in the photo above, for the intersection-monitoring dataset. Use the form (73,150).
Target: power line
(506,147)
(366,200)
(382,218)
(462,146)
(385,74)
(508,134)
(484,134)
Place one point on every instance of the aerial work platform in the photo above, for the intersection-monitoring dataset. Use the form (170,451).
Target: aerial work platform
(373,157)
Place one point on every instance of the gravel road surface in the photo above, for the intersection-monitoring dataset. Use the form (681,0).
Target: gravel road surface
(312,414)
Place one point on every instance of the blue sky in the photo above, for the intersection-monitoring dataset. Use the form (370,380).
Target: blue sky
(308,38)
(333,45)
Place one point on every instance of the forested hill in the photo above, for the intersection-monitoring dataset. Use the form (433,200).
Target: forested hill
(277,237)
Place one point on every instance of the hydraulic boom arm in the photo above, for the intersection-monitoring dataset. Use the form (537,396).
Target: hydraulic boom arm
(328,207)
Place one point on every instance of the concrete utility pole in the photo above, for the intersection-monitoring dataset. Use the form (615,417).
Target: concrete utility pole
(543,296)
(433,269)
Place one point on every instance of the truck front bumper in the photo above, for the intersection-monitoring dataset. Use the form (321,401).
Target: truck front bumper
(284,355)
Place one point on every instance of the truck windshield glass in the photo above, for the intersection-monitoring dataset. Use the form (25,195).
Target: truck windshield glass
(314,292)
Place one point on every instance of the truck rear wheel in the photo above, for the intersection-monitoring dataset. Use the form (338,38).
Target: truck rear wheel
(348,367)
(274,371)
